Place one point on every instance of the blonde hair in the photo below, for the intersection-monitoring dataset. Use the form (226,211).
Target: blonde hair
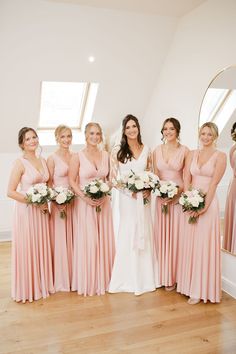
(60,129)
(212,126)
(89,126)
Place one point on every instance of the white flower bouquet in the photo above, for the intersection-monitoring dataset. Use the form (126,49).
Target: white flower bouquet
(166,189)
(62,196)
(96,189)
(39,194)
(137,182)
(192,200)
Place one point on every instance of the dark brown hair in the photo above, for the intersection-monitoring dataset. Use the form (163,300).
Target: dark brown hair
(125,153)
(175,123)
(21,135)
(233,131)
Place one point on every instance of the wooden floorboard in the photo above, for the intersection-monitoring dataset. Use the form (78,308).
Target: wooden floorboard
(157,322)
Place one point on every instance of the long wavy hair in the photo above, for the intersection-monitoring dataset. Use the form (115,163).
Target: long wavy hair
(125,153)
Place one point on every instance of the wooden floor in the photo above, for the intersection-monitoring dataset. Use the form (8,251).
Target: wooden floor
(158,322)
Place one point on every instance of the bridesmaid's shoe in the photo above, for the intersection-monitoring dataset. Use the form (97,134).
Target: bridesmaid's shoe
(170,288)
(192,301)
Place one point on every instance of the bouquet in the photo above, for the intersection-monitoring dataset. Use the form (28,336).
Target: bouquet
(62,196)
(137,182)
(39,194)
(166,189)
(192,200)
(96,189)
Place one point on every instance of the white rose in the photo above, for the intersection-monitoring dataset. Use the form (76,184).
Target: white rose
(36,197)
(93,189)
(30,191)
(163,188)
(139,184)
(182,200)
(194,202)
(157,192)
(144,177)
(104,187)
(59,189)
(61,198)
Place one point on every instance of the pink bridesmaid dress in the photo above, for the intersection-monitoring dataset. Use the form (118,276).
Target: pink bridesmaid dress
(32,276)
(230,212)
(167,226)
(200,268)
(94,247)
(61,231)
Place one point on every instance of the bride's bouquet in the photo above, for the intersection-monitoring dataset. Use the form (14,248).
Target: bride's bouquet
(192,200)
(166,189)
(39,194)
(62,196)
(137,182)
(96,189)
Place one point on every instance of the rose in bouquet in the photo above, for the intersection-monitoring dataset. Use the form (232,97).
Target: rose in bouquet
(39,194)
(192,200)
(166,189)
(96,189)
(62,196)
(138,182)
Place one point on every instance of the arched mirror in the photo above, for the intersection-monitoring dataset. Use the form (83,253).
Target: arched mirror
(219,106)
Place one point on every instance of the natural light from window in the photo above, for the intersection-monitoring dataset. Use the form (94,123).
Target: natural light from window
(69,103)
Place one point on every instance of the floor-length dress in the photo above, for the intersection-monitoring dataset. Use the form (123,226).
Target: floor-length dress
(32,276)
(200,268)
(167,226)
(230,212)
(135,267)
(61,231)
(94,245)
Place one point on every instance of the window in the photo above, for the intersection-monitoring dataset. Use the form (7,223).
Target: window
(69,103)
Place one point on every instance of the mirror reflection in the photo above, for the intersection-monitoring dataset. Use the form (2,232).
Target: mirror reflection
(219,106)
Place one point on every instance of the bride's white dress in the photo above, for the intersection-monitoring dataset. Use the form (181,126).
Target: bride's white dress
(135,266)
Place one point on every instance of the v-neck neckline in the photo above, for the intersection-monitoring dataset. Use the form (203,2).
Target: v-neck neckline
(175,153)
(92,164)
(200,167)
(136,159)
(40,172)
(61,159)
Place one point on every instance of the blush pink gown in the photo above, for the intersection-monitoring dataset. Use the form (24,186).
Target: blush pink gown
(200,267)
(61,231)
(32,276)
(230,212)
(167,226)
(94,246)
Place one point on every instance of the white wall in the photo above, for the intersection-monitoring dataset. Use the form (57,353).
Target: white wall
(43,40)
(202,46)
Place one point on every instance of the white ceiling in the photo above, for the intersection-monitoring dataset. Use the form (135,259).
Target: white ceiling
(175,8)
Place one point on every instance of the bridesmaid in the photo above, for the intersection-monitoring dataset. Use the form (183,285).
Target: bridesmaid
(61,229)
(230,208)
(31,254)
(93,231)
(201,264)
(168,162)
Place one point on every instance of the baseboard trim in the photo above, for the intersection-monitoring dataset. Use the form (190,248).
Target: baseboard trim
(5,236)
(229,287)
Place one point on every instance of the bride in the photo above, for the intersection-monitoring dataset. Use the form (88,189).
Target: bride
(135,266)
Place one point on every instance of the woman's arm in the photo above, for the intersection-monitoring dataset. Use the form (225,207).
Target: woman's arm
(15,177)
(51,167)
(187,177)
(218,174)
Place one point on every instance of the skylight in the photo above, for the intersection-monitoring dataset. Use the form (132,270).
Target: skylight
(69,103)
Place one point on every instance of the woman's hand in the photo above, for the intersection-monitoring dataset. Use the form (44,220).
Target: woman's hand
(146,193)
(61,207)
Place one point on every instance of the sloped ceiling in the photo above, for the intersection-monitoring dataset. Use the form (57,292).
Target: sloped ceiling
(175,8)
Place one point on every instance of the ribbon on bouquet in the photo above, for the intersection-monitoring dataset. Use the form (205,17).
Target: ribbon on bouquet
(139,237)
